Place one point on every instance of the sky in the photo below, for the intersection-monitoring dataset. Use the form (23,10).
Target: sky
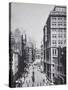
(30,18)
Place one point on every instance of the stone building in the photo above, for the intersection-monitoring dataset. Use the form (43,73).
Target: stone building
(55,45)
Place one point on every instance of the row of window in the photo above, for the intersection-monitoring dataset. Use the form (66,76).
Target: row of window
(59,41)
(59,35)
(59,30)
(59,18)
(60,9)
(54,24)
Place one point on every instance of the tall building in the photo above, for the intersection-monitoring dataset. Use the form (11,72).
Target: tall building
(42,56)
(42,53)
(14,52)
(30,49)
(55,45)
(22,61)
(17,37)
(38,54)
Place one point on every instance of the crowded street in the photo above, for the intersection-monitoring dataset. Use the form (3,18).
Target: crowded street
(35,76)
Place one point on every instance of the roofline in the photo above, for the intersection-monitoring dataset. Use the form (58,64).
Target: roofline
(59,7)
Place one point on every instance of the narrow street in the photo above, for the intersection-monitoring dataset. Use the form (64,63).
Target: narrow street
(35,77)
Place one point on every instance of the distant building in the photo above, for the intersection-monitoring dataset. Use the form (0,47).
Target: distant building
(38,54)
(42,56)
(17,54)
(42,52)
(29,47)
(30,52)
(55,45)
(22,60)
(17,37)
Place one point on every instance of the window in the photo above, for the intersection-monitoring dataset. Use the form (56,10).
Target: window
(54,24)
(54,42)
(58,41)
(53,65)
(53,74)
(60,35)
(64,41)
(54,18)
(61,42)
(64,24)
(54,51)
(64,30)
(54,35)
(64,35)
(59,24)
(59,18)
(64,18)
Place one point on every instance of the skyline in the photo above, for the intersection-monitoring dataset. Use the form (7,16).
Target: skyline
(30,18)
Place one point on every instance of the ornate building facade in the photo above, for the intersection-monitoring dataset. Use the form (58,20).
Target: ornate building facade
(55,45)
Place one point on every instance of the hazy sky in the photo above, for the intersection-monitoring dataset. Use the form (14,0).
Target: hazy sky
(30,18)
